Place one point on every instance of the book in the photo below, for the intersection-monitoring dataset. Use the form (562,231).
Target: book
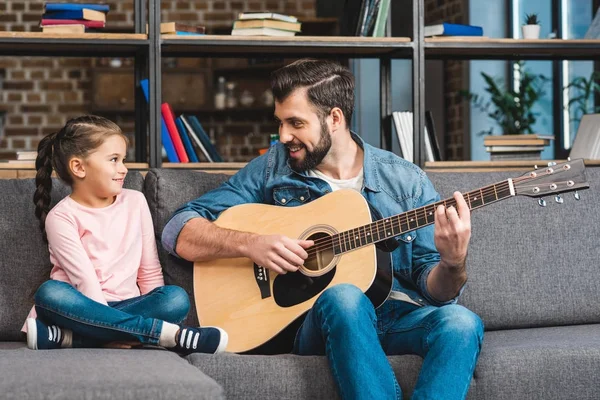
(509,142)
(87,24)
(189,149)
(430,129)
(267,15)
(261,32)
(75,6)
(448,29)
(371,18)
(176,27)
(84,13)
(164,132)
(593,32)
(195,138)
(169,117)
(382,17)
(210,148)
(74,28)
(513,149)
(267,23)
(587,139)
(524,136)
(403,122)
(529,155)
(26,155)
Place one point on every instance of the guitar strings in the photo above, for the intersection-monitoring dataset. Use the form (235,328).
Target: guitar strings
(326,243)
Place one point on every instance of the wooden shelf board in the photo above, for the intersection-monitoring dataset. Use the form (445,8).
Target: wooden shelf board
(88,44)
(465,47)
(288,46)
(483,166)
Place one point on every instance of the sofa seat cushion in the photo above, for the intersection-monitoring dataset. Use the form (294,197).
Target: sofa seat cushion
(289,377)
(540,363)
(100,374)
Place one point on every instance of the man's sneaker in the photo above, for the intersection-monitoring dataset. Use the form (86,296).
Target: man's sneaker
(43,337)
(200,340)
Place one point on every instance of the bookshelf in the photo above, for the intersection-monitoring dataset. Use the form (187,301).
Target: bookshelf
(149,48)
(135,45)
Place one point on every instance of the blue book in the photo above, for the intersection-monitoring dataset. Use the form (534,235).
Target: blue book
(212,151)
(89,15)
(164,132)
(76,6)
(447,29)
(182,33)
(189,149)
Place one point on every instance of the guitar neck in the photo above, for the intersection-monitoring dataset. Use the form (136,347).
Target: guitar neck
(417,218)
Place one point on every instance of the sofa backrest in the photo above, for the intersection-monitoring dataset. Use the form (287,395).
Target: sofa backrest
(24,257)
(531,266)
(166,190)
(528,265)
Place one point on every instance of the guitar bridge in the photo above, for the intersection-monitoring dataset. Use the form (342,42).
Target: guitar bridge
(261,275)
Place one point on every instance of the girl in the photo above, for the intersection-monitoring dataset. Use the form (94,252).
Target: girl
(106,283)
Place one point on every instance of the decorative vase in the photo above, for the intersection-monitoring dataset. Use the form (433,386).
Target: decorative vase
(531,31)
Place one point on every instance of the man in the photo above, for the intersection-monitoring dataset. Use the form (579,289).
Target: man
(318,154)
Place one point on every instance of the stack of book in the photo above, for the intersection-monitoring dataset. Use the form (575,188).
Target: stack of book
(265,24)
(24,157)
(73,17)
(516,147)
(184,139)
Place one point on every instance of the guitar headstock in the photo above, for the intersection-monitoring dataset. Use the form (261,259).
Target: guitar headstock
(552,180)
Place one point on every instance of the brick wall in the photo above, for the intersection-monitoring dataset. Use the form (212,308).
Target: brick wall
(38,94)
(453,11)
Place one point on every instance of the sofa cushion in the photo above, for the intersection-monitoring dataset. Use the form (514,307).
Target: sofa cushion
(558,363)
(528,265)
(101,374)
(166,190)
(24,258)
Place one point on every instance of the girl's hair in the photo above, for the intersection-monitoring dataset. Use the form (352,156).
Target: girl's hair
(78,138)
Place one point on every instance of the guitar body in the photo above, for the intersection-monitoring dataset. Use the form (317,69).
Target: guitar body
(254,304)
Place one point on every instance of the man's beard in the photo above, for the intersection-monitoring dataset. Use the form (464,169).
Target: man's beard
(314,157)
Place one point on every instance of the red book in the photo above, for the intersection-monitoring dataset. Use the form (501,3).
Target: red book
(167,114)
(88,24)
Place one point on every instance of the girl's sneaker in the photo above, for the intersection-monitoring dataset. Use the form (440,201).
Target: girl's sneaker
(200,340)
(43,337)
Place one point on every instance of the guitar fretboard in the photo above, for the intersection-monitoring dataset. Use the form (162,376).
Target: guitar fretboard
(419,217)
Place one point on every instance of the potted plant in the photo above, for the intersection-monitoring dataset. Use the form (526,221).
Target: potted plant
(531,29)
(583,92)
(511,109)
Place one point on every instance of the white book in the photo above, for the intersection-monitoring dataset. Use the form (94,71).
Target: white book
(267,15)
(261,32)
(587,140)
(403,121)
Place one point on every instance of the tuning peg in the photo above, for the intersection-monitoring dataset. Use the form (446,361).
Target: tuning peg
(559,199)
(576,195)
(551,164)
(535,167)
(568,158)
(542,202)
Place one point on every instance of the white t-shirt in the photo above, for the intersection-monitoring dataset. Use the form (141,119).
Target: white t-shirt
(352,183)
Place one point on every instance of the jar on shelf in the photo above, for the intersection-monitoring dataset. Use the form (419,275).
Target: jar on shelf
(230,99)
(220,94)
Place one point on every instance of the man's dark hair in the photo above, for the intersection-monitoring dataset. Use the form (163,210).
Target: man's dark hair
(328,85)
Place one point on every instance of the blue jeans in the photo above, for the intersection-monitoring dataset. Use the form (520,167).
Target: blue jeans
(344,325)
(138,319)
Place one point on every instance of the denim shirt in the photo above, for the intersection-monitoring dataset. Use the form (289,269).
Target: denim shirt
(391,185)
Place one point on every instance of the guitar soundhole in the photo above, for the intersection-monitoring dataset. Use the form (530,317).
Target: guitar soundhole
(295,287)
(321,254)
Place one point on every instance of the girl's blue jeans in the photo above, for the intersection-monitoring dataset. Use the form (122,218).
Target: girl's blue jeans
(138,319)
(356,339)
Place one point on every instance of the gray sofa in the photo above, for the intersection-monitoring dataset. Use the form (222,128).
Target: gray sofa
(533,278)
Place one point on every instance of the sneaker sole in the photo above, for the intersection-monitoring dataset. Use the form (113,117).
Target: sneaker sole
(31,334)
(223,342)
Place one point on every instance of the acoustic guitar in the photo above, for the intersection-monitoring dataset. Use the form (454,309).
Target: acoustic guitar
(254,304)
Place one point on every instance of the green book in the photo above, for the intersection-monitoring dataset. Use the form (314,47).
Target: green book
(381,22)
